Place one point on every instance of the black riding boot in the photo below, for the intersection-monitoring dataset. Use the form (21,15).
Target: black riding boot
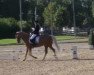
(33,43)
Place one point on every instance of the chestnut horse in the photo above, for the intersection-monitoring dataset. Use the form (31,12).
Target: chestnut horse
(44,40)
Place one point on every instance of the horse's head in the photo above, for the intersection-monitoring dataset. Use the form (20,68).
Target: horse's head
(18,36)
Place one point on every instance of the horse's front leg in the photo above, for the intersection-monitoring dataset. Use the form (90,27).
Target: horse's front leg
(26,54)
(30,53)
(46,51)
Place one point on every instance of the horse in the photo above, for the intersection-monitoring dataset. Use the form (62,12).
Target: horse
(44,40)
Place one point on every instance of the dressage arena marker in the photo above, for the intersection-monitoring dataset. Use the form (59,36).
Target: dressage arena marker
(9,55)
(74,52)
(75,48)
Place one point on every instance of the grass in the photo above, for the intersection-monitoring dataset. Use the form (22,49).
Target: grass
(59,38)
(62,38)
(7,41)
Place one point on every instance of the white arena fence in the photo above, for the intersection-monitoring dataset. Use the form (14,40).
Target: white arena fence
(9,54)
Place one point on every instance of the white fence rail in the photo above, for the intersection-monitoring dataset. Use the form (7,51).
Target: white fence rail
(9,55)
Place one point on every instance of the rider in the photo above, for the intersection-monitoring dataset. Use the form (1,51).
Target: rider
(35,33)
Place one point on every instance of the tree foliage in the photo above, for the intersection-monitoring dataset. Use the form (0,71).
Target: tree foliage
(56,13)
(8,27)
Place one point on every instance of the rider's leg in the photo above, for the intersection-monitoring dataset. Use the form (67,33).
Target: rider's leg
(32,39)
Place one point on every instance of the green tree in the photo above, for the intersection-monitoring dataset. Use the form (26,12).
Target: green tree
(49,13)
(57,14)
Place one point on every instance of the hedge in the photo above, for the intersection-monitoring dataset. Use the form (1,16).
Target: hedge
(9,26)
(91,37)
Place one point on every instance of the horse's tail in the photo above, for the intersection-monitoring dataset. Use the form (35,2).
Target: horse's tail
(55,42)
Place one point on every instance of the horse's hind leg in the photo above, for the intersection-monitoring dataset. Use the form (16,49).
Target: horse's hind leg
(46,51)
(53,51)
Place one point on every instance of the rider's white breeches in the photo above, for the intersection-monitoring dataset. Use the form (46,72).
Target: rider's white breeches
(32,36)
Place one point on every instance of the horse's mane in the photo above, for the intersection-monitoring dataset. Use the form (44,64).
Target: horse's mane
(25,34)
(22,33)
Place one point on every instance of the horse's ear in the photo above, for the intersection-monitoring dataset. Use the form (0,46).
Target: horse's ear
(17,32)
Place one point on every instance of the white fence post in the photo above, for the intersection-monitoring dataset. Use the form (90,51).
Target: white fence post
(74,52)
(91,47)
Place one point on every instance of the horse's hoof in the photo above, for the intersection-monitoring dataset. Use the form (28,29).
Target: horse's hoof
(42,59)
(24,60)
(36,58)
